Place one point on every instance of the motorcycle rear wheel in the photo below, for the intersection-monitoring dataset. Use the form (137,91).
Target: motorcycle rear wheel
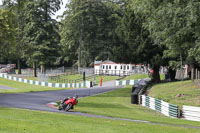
(68,107)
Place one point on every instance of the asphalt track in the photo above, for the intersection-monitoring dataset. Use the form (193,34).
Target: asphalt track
(39,101)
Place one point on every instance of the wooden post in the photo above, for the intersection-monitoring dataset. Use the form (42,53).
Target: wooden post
(139,99)
(196,74)
(83,76)
(192,74)
(179,112)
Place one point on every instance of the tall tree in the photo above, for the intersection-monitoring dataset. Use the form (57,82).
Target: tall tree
(7,33)
(17,7)
(137,45)
(175,25)
(88,27)
(41,32)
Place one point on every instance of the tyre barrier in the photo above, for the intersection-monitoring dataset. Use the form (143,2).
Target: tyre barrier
(138,89)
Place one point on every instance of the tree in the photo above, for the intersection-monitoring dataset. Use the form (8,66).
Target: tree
(7,33)
(88,29)
(41,33)
(17,7)
(175,25)
(136,42)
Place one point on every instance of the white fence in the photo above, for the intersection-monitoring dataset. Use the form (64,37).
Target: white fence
(126,82)
(47,84)
(191,113)
(163,107)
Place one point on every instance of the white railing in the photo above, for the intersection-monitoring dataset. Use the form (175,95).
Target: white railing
(191,113)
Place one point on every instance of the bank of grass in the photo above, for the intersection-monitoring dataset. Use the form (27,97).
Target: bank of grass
(23,87)
(169,92)
(142,76)
(118,104)
(25,121)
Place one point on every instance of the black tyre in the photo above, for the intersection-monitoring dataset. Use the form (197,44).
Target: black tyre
(68,107)
(60,108)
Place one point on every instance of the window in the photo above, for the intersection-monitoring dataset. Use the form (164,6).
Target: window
(115,67)
(127,67)
(124,67)
(110,67)
(106,67)
(121,67)
(103,67)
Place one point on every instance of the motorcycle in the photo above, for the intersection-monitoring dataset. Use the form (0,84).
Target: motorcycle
(68,103)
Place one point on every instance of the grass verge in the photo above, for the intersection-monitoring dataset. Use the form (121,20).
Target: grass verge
(22,87)
(25,121)
(118,104)
(142,76)
(169,93)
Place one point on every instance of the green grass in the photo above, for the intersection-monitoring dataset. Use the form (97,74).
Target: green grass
(106,78)
(22,87)
(31,78)
(118,104)
(136,76)
(168,92)
(26,121)
(79,76)
(142,76)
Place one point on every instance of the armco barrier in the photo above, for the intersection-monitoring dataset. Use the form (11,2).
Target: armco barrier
(191,113)
(160,106)
(47,84)
(126,82)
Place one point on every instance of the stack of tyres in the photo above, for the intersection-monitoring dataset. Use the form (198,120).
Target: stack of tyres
(134,95)
(136,89)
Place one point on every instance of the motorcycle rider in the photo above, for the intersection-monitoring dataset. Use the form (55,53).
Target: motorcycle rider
(65,99)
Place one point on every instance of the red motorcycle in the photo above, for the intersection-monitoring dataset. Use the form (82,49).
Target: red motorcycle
(68,103)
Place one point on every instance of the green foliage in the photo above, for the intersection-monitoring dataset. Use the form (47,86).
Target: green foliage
(41,32)
(7,33)
(173,24)
(87,30)
(137,45)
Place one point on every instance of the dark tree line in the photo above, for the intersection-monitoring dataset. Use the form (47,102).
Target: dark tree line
(156,32)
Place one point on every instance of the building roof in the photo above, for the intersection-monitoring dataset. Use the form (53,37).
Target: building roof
(108,62)
(97,62)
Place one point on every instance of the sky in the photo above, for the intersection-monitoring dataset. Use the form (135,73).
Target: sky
(60,12)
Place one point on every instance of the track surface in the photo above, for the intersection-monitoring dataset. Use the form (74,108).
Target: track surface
(39,101)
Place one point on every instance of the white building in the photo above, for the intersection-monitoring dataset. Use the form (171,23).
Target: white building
(111,68)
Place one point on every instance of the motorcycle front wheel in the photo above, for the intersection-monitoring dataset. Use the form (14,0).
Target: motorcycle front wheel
(60,107)
(68,107)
